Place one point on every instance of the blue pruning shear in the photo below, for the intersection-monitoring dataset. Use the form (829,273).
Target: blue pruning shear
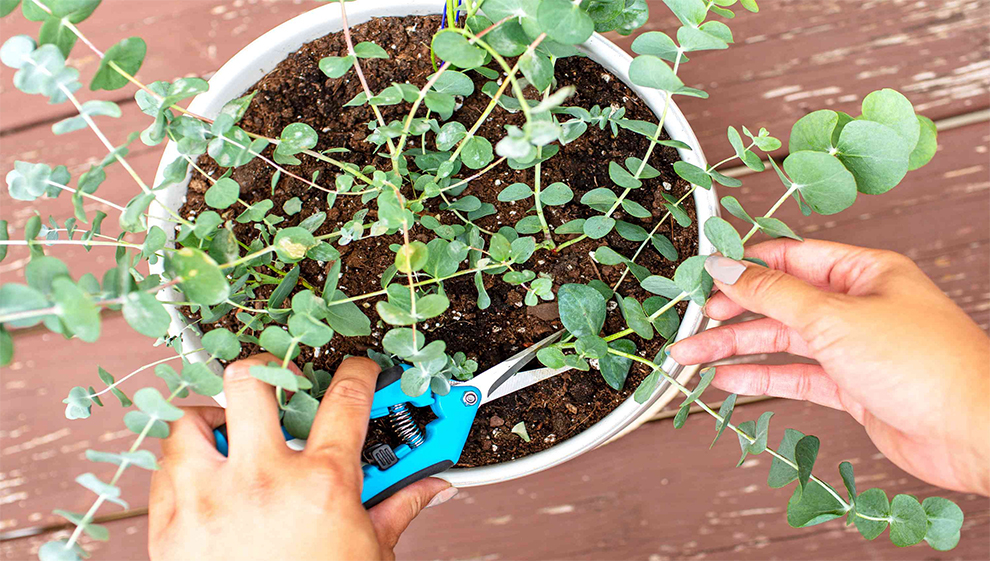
(435,449)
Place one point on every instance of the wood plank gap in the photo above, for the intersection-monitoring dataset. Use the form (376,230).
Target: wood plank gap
(127,100)
(47,528)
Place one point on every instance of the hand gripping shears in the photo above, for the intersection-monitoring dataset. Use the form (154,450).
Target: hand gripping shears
(437,447)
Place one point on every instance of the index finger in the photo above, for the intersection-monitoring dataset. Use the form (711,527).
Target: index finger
(830,266)
(826,265)
(341,422)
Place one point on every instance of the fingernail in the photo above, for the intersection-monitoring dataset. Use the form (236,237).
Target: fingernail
(723,269)
(442,497)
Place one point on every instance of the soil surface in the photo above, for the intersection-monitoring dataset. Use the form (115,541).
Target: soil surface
(554,410)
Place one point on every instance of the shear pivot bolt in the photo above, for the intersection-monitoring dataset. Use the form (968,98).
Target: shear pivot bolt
(470,398)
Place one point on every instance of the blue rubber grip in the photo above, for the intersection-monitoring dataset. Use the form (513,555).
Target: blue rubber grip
(442,446)
(444,442)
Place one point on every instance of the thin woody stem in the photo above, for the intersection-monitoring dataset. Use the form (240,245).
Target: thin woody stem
(722,420)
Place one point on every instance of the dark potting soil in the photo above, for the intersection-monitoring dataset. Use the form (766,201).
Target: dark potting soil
(554,410)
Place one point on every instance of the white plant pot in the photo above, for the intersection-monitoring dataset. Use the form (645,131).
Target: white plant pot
(261,56)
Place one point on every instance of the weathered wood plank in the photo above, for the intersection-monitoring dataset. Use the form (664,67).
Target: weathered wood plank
(790,58)
(42,452)
(658,493)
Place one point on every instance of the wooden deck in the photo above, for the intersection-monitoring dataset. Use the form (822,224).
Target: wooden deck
(658,493)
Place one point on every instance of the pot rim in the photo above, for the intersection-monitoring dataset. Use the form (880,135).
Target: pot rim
(263,54)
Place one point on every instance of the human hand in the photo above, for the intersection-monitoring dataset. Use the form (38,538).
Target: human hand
(267,501)
(893,351)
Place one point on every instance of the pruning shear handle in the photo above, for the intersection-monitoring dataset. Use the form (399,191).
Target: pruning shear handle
(419,456)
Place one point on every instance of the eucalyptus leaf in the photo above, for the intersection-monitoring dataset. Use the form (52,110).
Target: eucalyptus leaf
(615,368)
(581,308)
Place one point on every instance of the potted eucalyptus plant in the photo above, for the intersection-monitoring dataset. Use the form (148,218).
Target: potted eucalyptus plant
(440,185)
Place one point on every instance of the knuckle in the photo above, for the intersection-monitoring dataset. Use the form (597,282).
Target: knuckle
(351,392)
(827,327)
(766,282)
(780,338)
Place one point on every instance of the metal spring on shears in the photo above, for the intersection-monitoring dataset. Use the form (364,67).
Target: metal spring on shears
(404,426)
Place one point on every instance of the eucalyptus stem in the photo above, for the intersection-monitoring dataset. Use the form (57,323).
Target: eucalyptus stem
(509,80)
(86,195)
(756,227)
(116,477)
(142,369)
(364,83)
(536,199)
(721,420)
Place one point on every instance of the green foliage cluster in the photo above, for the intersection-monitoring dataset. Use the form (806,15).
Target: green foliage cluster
(832,158)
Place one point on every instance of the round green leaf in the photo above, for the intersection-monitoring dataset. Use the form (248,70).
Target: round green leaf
(450,134)
(202,279)
(500,9)
(336,66)
(151,402)
(813,131)
(403,342)
(621,177)
(614,368)
(515,192)
(582,309)
(367,49)
(453,82)
(291,244)
(477,152)
(927,145)
(658,44)
(908,521)
(21,298)
(875,154)
(872,503)
(824,182)
(222,344)
(556,194)
(223,193)
(945,519)
(128,55)
(200,379)
(146,315)
(309,330)
(411,257)
(598,227)
(651,72)
(454,48)
(890,107)
(299,414)
(76,310)
(693,174)
(138,421)
(565,22)
(15,50)
(725,238)
(537,68)
(276,376)
(431,306)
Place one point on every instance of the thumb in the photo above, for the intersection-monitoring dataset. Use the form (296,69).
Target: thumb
(393,515)
(769,292)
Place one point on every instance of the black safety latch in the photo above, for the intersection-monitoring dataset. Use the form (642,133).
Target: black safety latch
(381,455)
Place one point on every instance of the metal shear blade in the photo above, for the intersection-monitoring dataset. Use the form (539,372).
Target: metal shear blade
(505,378)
